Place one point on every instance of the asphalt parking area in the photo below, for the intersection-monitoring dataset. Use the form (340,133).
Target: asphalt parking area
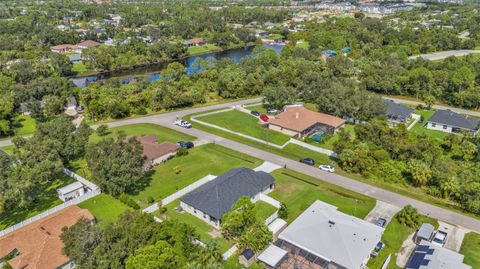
(382,210)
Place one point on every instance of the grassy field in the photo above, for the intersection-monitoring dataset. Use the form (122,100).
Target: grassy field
(200,162)
(23,125)
(299,191)
(142,129)
(202,49)
(393,237)
(241,122)
(48,199)
(471,250)
(80,68)
(420,130)
(105,208)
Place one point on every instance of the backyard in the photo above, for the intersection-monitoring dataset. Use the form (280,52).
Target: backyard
(328,141)
(471,250)
(105,208)
(202,49)
(23,125)
(244,123)
(299,191)
(419,128)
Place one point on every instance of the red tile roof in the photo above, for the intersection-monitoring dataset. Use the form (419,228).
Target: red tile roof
(299,118)
(89,44)
(152,149)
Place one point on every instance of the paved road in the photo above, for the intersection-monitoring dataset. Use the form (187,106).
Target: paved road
(458,110)
(444,54)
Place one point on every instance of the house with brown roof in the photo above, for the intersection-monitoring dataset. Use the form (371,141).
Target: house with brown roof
(154,152)
(88,44)
(38,245)
(64,48)
(196,41)
(297,121)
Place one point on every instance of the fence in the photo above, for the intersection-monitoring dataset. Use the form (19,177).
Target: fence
(50,211)
(80,179)
(272,217)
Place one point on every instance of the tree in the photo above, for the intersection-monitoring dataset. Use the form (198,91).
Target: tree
(80,241)
(256,237)
(238,219)
(283,211)
(102,130)
(420,173)
(159,256)
(409,216)
(116,165)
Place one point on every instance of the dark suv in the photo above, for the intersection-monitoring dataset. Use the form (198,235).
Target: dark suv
(308,161)
(255,113)
(185,145)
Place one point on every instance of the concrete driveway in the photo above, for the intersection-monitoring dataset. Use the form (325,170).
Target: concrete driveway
(455,235)
(382,210)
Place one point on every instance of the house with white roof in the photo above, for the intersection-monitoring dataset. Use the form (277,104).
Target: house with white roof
(323,237)
(430,256)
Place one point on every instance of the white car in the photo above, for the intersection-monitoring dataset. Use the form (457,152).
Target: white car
(183,123)
(440,238)
(327,168)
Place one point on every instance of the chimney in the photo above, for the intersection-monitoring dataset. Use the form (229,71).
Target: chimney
(296,115)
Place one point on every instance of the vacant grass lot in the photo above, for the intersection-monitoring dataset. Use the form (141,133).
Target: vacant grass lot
(202,49)
(200,162)
(47,199)
(241,122)
(299,191)
(471,250)
(105,208)
(393,237)
(419,128)
(142,129)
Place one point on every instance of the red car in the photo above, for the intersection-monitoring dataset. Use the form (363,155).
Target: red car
(264,117)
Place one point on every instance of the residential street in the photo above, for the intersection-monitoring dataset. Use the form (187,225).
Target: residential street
(458,110)
(444,54)
(167,119)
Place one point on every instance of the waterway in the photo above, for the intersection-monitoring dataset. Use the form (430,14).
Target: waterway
(152,72)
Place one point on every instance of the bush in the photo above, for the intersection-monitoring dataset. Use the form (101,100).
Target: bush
(177,169)
(150,200)
(102,130)
(283,211)
(409,216)
(182,152)
(128,201)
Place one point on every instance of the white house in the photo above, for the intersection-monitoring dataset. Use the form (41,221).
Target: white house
(452,122)
(212,200)
(71,191)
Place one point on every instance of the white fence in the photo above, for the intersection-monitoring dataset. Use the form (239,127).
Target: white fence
(269,200)
(80,179)
(272,217)
(50,211)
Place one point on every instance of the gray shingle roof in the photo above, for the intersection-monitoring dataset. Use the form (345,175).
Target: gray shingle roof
(397,111)
(450,118)
(425,231)
(216,197)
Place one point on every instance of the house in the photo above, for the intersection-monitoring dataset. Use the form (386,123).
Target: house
(197,41)
(260,33)
(452,122)
(297,121)
(38,244)
(430,256)
(323,237)
(88,44)
(154,152)
(215,198)
(72,106)
(64,48)
(71,191)
(397,113)
(425,232)
(75,58)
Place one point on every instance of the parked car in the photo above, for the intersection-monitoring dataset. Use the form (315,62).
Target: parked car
(272,111)
(381,222)
(264,117)
(440,238)
(308,161)
(327,168)
(255,113)
(185,145)
(183,123)
(379,246)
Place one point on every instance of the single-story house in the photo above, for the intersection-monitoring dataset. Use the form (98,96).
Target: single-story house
(38,244)
(88,44)
(397,113)
(197,41)
(430,256)
(154,152)
(260,33)
(64,48)
(212,200)
(452,122)
(297,121)
(425,232)
(323,237)
(75,58)
(71,191)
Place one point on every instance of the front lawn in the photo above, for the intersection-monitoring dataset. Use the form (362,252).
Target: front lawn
(393,237)
(48,199)
(142,129)
(202,49)
(200,162)
(471,249)
(259,108)
(419,128)
(299,191)
(241,122)
(264,210)
(105,208)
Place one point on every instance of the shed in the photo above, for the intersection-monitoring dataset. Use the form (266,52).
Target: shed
(424,233)
(272,256)
(71,191)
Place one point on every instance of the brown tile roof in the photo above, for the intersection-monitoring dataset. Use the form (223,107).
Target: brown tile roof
(299,118)
(64,47)
(89,44)
(39,244)
(152,149)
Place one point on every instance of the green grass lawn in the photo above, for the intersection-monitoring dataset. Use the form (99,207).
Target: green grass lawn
(393,237)
(419,128)
(264,210)
(260,108)
(299,191)
(105,208)
(471,250)
(302,44)
(142,129)
(23,125)
(7,149)
(79,68)
(200,162)
(201,227)
(48,198)
(241,122)
(203,49)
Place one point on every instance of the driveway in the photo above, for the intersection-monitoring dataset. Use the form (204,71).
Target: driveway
(382,210)
(455,235)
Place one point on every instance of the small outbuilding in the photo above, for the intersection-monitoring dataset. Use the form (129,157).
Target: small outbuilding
(425,232)
(272,256)
(71,191)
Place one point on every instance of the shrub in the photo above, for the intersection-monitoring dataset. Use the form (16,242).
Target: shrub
(409,216)
(177,169)
(283,211)
(102,130)
(182,152)
(128,201)
(150,200)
